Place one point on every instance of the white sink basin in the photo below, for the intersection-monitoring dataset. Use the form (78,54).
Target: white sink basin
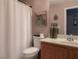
(66,41)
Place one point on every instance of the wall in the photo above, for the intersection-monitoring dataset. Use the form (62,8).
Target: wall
(59,10)
(38,7)
(44,5)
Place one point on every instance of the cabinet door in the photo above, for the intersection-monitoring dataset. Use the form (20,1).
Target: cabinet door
(73,53)
(50,51)
(61,52)
(47,52)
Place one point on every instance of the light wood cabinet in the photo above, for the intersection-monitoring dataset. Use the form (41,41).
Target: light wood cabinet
(54,51)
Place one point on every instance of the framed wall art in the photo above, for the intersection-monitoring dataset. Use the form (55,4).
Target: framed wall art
(41,19)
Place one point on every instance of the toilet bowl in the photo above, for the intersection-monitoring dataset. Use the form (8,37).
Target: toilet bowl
(32,52)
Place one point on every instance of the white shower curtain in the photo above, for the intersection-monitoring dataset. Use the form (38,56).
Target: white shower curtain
(24,35)
(3,28)
(15,28)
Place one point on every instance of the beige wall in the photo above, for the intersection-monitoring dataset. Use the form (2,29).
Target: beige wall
(52,9)
(39,6)
(59,10)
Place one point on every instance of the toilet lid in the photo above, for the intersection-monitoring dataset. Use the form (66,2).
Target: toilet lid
(30,50)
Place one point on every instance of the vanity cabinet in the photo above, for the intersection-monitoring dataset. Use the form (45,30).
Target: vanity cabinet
(73,53)
(55,51)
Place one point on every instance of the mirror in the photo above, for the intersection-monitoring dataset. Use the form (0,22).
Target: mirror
(72,21)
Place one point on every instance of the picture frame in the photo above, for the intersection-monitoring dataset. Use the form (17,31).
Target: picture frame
(41,19)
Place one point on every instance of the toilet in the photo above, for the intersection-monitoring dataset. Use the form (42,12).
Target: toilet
(32,52)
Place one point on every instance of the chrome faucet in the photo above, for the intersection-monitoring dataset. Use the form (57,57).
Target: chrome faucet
(70,38)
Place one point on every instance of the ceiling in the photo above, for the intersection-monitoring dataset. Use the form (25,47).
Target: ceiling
(60,1)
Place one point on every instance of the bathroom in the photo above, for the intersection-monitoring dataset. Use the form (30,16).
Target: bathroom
(25,24)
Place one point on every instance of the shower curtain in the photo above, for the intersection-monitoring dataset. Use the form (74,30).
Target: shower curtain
(3,40)
(15,28)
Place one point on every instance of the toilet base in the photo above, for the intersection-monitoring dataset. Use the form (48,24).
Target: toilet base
(34,57)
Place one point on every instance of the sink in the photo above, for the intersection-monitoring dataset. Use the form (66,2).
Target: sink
(71,42)
(66,41)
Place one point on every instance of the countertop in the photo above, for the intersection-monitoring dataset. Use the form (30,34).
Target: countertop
(61,41)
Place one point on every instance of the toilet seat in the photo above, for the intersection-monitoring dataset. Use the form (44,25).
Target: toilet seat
(29,52)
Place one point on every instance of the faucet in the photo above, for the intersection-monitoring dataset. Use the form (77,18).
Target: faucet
(70,38)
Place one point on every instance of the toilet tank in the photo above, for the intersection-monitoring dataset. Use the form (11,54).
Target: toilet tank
(36,41)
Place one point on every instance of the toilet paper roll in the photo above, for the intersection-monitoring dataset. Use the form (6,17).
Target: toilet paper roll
(41,35)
